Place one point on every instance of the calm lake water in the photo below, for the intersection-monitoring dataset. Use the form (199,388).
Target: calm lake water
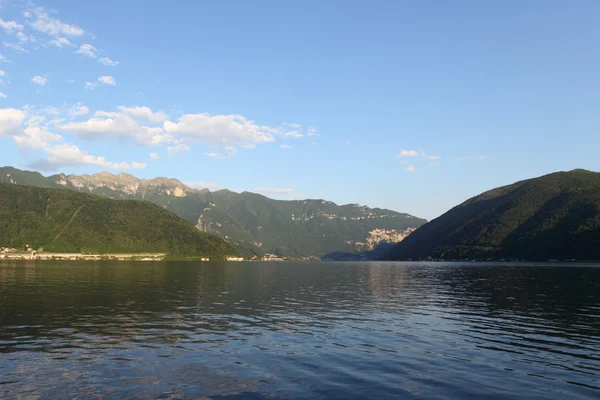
(299,330)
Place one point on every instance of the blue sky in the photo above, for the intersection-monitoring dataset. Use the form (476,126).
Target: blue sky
(413,106)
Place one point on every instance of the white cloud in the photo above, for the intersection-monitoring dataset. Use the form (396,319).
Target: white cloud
(52,26)
(107,80)
(249,146)
(60,42)
(10,121)
(313,143)
(177,148)
(481,158)
(154,156)
(407,153)
(219,130)
(144,113)
(24,38)
(87,50)
(119,126)
(277,192)
(410,168)
(27,14)
(311,131)
(285,146)
(2,95)
(227,152)
(14,46)
(78,109)
(432,158)
(68,155)
(293,135)
(30,130)
(2,73)
(204,185)
(52,110)
(138,165)
(40,80)
(10,26)
(71,81)
(107,61)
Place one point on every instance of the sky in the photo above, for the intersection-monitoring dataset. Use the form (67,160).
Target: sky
(413,106)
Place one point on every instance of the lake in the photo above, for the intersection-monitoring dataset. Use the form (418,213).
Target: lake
(255,330)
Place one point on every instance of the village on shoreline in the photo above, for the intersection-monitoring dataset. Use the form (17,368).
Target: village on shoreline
(27,253)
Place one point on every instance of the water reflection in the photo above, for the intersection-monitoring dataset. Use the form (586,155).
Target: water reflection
(298,330)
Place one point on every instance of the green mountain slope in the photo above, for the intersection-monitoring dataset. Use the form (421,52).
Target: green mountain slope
(252,223)
(60,220)
(555,216)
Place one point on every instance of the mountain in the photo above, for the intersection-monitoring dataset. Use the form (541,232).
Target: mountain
(253,223)
(59,220)
(555,216)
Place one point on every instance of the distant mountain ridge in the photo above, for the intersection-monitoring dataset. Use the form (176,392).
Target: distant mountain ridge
(556,216)
(59,220)
(255,224)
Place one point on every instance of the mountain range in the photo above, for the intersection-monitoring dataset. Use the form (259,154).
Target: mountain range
(556,216)
(252,223)
(58,220)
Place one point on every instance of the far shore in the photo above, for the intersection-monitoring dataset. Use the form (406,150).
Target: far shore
(87,257)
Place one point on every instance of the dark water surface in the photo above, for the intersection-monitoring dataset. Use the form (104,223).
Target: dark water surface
(298,330)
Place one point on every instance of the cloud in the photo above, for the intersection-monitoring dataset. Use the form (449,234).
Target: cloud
(52,26)
(10,121)
(432,158)
(285,146)
(138,165)
(293,135)
(407,153)
(249,146)
(144,113)
(108,62)
(228,152)
(52,110)
(313,143)
(78,109)
(40,80)
(14,46)
(410,168)
(71,81)
(2,95)
(154,156)
(177,148)
(107,80)
(24,38)
(204,185)
(68,155)
(60,42)
(481,158)
(2,73)
(219,130)
(312,131)
(10,26)
(87,50)
(116,125)
(278,192)
(29,130)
